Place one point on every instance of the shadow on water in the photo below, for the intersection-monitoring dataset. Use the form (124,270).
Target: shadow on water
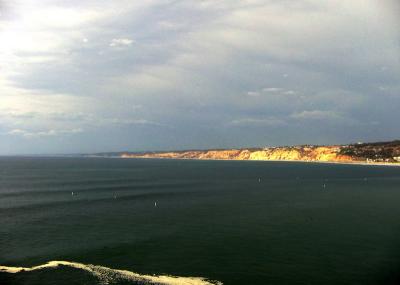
(49,276)
(389,274)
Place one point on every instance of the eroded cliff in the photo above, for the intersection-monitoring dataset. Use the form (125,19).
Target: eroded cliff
(388,152)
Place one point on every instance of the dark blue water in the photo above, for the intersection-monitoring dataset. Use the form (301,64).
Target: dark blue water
(238,222)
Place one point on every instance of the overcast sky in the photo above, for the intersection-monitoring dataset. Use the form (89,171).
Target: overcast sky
(89,76)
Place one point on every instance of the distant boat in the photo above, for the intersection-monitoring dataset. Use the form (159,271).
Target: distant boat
(155,204)
(72,193)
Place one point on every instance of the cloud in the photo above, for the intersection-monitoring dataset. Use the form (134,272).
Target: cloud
(195,66)
(120,121)
(253,93)
(43,133)
(315,115)
(271,89)
(120,42)
(289,92)
(262,122)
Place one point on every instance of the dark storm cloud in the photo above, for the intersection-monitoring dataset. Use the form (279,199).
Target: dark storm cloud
(187,74)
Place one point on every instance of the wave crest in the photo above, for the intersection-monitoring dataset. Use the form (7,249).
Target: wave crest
(107,275)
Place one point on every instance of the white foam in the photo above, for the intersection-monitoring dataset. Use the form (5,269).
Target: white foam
(106,275)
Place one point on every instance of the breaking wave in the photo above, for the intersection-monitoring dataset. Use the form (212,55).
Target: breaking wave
(107,275)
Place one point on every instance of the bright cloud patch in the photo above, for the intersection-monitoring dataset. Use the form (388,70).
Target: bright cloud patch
(45,133)
(121,42)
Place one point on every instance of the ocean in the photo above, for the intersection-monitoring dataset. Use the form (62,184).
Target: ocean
(138,221)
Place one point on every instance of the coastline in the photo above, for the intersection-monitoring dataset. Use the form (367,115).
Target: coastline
(377,154)
(271,160)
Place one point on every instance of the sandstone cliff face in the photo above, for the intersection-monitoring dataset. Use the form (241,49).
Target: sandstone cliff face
(377,152)
(329,153)
(300,153)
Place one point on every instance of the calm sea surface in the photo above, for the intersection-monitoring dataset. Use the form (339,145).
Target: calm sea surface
(237,222)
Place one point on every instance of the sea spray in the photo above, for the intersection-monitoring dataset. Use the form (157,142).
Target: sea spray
(107,275)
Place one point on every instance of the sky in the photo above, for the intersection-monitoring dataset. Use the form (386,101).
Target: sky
(95,76)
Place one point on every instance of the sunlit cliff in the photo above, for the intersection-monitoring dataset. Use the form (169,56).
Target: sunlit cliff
(388,152)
